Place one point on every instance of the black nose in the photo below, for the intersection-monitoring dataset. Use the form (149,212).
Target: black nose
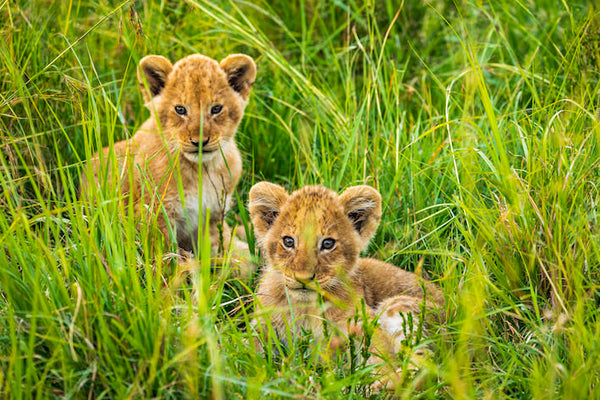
(195,143)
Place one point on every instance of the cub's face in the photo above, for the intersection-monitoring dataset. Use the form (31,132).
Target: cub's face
(198,102)
(313,238)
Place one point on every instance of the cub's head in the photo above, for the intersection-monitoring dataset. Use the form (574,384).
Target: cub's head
(313,237)
(199,102)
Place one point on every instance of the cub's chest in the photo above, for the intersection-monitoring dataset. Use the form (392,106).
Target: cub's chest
(191,208)
(213,197)
(300,312)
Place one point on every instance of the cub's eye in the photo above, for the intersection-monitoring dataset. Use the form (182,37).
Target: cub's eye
(288,242)
(180,110)
(327,244)
(216,109)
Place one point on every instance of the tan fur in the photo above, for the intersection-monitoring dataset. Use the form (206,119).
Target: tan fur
(169,145)
(296,276)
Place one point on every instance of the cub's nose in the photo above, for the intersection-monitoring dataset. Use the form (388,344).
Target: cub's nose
(305,277)
(197,143)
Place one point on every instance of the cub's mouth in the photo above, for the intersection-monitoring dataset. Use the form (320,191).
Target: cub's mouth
(302,294)
(304,289)
(204,151)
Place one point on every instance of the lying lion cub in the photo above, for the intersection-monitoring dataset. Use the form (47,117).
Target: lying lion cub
(196,106)
(311,241)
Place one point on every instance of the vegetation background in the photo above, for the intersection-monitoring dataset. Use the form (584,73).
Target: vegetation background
(476,120)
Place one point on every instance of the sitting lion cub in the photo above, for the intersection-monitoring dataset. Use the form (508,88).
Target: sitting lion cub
(196,106)
(311,241)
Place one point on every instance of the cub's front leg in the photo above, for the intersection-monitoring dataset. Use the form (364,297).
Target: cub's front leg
(225,244)
(220,176)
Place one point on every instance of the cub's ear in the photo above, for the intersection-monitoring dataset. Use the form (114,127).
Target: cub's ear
(265,202)
(362,206)
(241,71)
(152,74)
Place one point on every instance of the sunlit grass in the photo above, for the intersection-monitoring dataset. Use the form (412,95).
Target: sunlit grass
(478,123)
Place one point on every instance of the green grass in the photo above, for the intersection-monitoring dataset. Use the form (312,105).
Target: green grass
(477,122)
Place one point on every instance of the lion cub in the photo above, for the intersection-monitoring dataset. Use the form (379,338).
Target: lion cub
(196,106)
(311,241)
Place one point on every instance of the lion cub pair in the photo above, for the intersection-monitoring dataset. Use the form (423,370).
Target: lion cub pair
(196,106)
(311,241)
